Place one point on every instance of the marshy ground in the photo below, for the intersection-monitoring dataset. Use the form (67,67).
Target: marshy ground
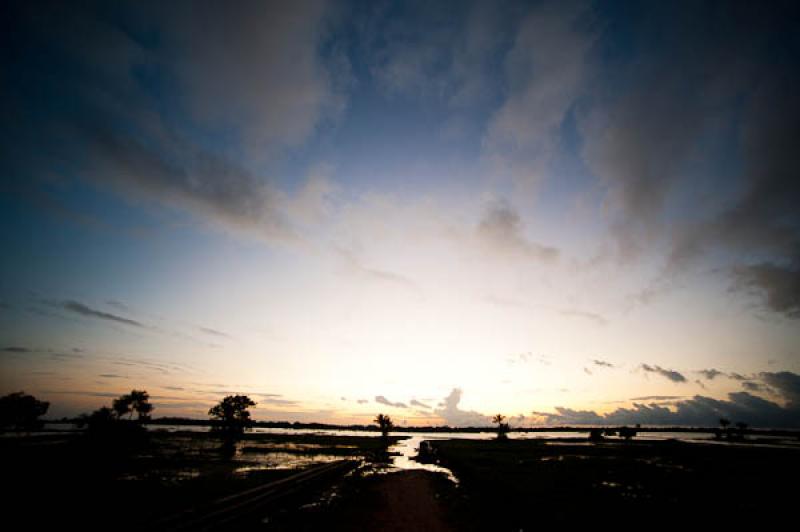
(501,485)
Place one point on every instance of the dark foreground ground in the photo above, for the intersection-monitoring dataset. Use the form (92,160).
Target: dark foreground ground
(524,485)
(512,485)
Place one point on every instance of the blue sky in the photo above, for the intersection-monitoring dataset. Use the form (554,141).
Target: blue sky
(539,208)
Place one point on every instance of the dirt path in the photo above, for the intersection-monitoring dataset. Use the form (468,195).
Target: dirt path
(394,502)
(406,500)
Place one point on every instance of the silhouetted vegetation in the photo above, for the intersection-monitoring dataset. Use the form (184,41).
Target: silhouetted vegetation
(596,435)
(229,419)
(627,433)
(19,411)
(110,427)
(502,427)
(385,424)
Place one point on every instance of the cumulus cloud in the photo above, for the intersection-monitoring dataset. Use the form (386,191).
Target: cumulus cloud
(384,401)
(454,416)
(670,374)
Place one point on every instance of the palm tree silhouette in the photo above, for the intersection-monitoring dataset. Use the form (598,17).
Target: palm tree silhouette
(502,427)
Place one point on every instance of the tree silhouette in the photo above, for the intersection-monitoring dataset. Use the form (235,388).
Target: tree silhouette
(21,412)
(140,403)
(231,415)
(502,426)
(384,424)
(122,406)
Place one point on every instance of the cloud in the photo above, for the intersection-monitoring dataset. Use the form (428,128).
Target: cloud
(80,308)
(384,401)
(787,384)
(454,416)
(777,286)
(414,402)
(16,349)
(354,266)
(657,398)
(698,411)
(591,316)
(670,374)
(660,130)
(752,386)
(184,109)
(213,332)
(544,72)
(603,363)
(710,374)
(500,233)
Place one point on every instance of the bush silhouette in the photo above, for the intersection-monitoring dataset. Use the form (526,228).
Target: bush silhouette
(19,411)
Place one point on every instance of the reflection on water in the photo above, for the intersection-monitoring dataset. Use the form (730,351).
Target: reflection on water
(278,460)
(404,455)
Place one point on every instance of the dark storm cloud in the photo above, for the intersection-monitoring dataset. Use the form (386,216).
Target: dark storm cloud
(80,308)
(384,401)
(670,374)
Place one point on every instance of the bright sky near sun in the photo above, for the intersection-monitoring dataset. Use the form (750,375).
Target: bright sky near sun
(567,212)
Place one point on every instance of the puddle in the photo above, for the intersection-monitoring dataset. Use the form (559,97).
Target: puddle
(279,460)
(404,455)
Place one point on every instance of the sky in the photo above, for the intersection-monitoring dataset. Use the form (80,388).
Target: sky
(565,212)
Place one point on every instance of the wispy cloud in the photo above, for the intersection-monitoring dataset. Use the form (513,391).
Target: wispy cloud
(84,310)
(669,374)
(384,401)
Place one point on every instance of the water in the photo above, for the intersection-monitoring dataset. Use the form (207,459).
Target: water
(406,451)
